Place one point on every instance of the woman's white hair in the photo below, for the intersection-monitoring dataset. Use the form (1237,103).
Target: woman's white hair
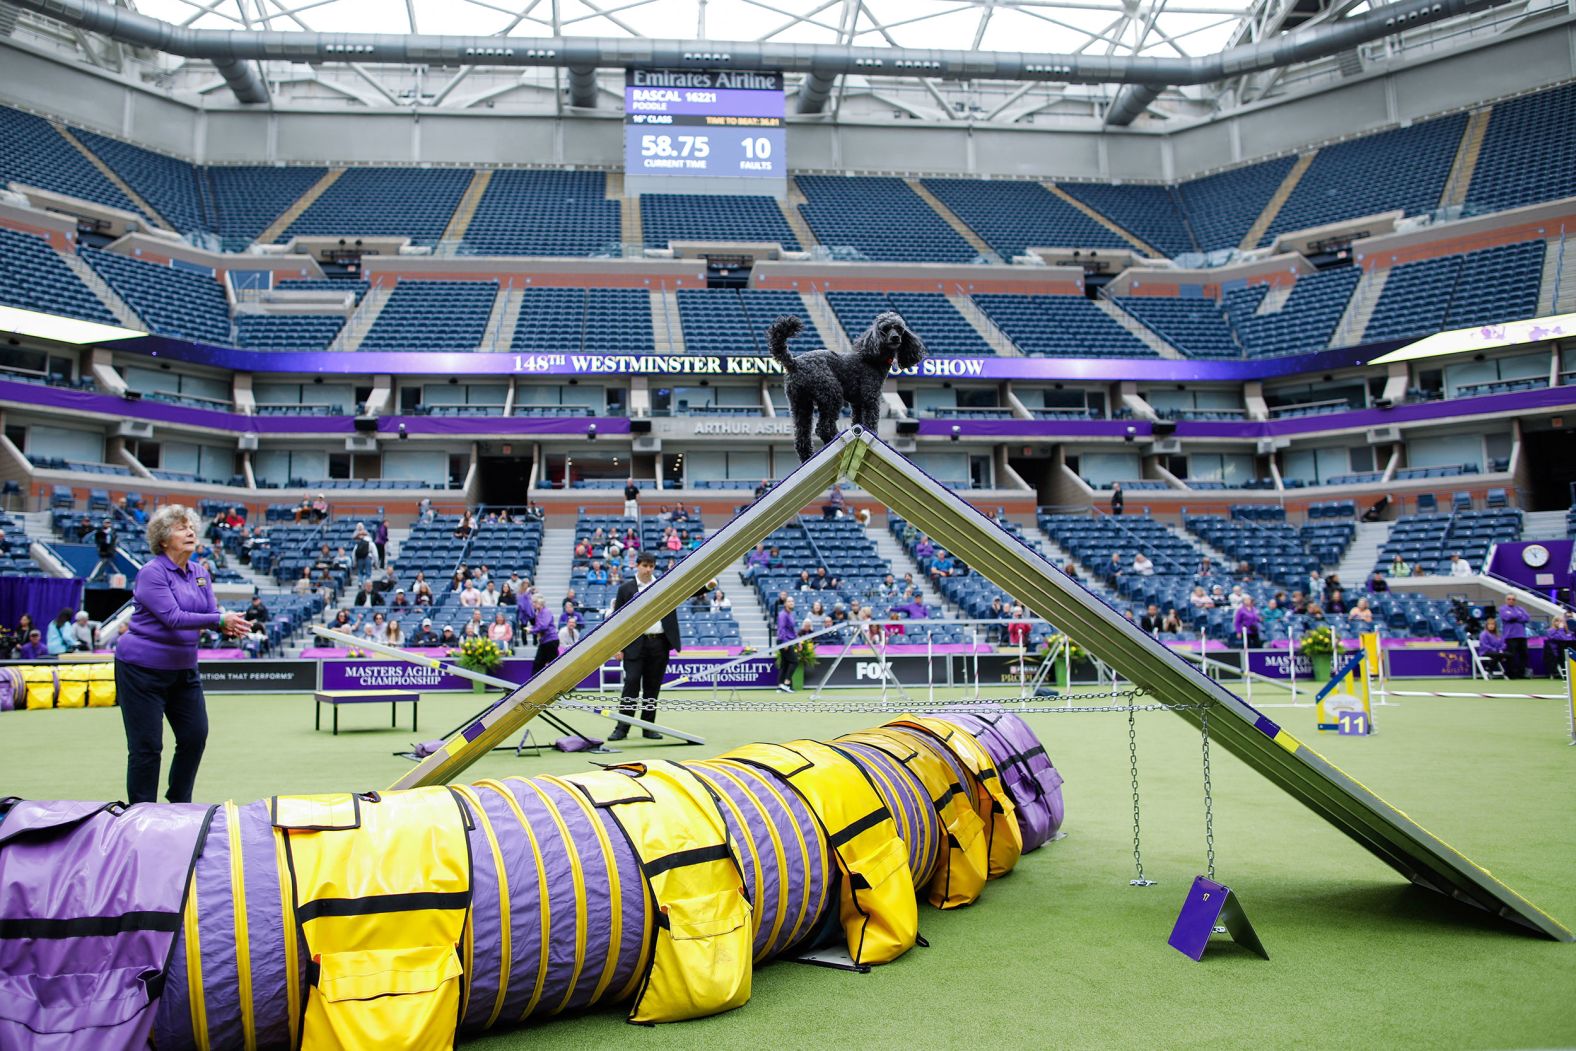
(165,521)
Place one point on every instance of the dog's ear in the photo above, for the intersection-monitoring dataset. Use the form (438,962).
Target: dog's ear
(912,350)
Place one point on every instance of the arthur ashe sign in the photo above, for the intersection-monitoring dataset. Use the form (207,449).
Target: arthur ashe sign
(709,365)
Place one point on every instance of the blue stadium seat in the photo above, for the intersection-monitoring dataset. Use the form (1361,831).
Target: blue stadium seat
(433,315)
(1060,327)
(879,218)
(584,321)
(385,202)
(172,300)
(247,198)
(668,217)
(1528,154)
(543,213)
(35,154)
(1012,215)
(36,278)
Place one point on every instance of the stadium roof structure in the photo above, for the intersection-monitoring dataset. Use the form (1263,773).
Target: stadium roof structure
(985,61)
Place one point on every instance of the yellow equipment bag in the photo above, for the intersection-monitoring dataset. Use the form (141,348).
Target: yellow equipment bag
(382,885)
(39,683)
(876,900)
(960,876)
(101,685)
(700,961)
(1004,838)
(72,691)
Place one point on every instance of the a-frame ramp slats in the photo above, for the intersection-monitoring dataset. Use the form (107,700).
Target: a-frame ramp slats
(1007,562)
(721,551)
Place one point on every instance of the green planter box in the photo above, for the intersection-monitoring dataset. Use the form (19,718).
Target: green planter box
(1321,666)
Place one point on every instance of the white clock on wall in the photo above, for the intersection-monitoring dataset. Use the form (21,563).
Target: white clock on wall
(1535,555)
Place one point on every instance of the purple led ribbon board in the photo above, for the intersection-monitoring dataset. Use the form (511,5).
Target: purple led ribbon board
(1210,905)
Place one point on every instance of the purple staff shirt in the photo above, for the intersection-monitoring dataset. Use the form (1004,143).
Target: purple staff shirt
(1514,620)
(169,607)
(787,630)
(546,629)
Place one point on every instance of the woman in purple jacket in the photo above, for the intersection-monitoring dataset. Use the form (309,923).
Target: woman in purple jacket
(156,658)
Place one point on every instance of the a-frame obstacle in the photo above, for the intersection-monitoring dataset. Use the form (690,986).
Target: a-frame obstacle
(861,458)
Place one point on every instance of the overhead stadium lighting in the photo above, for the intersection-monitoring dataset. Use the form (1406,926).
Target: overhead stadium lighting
(39,325)
(1484,337)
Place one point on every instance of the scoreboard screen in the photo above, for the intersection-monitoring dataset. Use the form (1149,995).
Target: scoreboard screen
(704,124)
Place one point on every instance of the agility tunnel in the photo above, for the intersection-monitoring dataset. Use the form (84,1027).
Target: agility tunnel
(65,685)
(411,918)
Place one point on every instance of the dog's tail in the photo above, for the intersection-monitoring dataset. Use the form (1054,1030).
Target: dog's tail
(778,335)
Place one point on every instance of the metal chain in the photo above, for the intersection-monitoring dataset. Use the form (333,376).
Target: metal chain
(1022,706)
(1132,763)
(1209,802)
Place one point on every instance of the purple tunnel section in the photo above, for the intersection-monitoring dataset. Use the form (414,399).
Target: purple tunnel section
(1033,783)
(561,918)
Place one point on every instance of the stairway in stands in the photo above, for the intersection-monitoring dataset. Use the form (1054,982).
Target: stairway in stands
(1365,297)
(796,223)
(114,177)
(555,565)
(963,229)
(895,555)
(1543,525)
(1251,239)
(1461,169)
(1357,565)
(277,228)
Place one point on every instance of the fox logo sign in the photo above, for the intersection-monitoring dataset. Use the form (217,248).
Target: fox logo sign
(868,670)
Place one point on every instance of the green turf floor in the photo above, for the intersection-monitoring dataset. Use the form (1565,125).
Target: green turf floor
(1063,953)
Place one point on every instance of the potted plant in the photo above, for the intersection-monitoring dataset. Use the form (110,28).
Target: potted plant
(1318,646)
(805,649)
(478,655)
(1076,655)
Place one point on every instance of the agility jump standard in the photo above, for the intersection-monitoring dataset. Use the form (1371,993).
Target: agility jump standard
(859,457)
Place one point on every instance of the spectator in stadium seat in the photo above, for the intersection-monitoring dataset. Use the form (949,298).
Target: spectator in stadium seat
(1118,501)
(400,599)
(1018,626)
(1316,592)
(1514,618)
(631,499)
(376,628)
(1298,604)
(1556,641)
(1272,614)
(1150,622)
(82,631)
(424,635)
(490,596)
(470,597)
(395,636)
(1173,623)
(303,511)
(59,637)
(1245,623)
(1205,567)
(720,603)
(1142,565)
(369,596)
(386,583)
(1200,600)
(1377,583)
(1237,597)
(1491,648)
(998,610)
(1336,603)
(257,613)
(942,566)
(501,631)
(804,582)
(33,648)
(1362,615)
(923,548)
(596,574)
(1398,567)
(320,507)
(466,526)
(1460,567)
(448,639)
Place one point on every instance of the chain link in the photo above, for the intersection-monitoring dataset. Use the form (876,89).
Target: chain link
(1209,803)
(1132,762)
(586,701)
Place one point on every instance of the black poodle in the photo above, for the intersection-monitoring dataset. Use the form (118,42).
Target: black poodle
(821,382)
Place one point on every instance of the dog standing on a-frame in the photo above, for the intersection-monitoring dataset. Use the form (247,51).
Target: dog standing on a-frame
(821,382)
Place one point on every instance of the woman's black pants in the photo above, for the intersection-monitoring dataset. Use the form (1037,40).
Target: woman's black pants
(147,697)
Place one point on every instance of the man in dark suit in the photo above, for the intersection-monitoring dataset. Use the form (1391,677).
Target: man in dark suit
(646,659)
